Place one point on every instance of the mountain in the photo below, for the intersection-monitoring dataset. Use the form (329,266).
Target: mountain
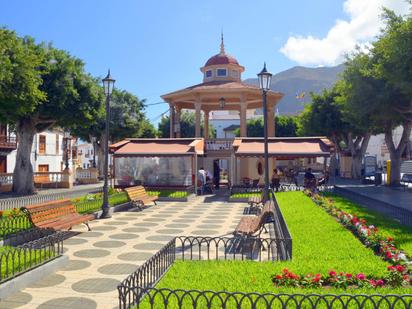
(297,80)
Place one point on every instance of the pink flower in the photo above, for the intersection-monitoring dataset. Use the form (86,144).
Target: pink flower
(388,255)
(391,268)
(400,268)
(349,276)
(332,273)
(360,276)
(379,282)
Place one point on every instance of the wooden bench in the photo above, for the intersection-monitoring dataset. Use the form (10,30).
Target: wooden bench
(58,215)
(139,197)
(250,225)
(255,201)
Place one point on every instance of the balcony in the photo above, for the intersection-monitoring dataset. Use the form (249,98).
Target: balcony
(222,145)
(8,143)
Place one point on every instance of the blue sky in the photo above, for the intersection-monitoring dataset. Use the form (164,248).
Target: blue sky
(154,47)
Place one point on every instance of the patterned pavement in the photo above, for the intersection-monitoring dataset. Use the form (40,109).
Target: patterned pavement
(115,247)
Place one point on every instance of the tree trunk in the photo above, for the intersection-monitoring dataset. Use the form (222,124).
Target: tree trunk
(396,152)
(23,170)
(357,149)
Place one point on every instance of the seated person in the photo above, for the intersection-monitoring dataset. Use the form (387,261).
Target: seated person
(309,179)
(324,180)
(275,180)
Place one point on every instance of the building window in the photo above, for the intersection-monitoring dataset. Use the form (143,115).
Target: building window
(209,73)
(57,144)
(42,144)
(221,72)
(43,167)
(235,73)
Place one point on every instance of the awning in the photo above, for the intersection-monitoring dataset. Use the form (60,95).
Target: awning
(284,148)
(158,147)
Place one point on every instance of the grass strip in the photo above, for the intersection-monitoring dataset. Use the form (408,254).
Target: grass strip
(319,245)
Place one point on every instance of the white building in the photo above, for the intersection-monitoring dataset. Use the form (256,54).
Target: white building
(377,146)
(226,122)
(48,152)
(85,155)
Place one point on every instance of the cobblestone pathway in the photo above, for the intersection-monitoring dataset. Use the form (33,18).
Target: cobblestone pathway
(115,247)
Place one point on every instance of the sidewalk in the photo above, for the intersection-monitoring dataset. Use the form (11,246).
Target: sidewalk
(395,202)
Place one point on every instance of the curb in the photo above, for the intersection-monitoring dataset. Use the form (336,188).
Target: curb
(31,276)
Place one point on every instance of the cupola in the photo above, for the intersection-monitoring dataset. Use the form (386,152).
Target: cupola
(222,67)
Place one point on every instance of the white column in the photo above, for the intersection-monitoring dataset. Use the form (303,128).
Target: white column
(243,124)
(198,106)
(177,121)
(206,124)
(172,121)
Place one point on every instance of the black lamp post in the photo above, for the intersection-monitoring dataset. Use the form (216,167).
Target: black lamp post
(94,151)
(108,84)
(66,136)
(265,78)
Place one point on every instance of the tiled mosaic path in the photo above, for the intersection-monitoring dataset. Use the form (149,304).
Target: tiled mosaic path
(115,247)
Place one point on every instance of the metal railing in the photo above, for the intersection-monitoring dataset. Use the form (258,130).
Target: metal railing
(17,260)
(7,141)
(13,224)
(17,202)
(219,144)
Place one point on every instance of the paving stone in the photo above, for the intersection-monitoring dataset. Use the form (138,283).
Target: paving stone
(69,303)
(117,269)
(148,246)
(104,228)
(124,236)
(74,241)
(77,265)
(182,220)
(205,232)
(154,219)
(109,244)
(15,300)
(134,256)
(115,223)
(151,224)
(135,230)
(207,221)
(164,238)
(49,281)
(91,253)
(95,285)
(177,225)
(170,231)
(91,234)
(208,226)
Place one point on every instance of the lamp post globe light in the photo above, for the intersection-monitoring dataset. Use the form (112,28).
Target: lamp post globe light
(108,84)
(265,79)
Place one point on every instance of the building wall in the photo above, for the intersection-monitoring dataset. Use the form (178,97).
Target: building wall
(52,157)
(85,155)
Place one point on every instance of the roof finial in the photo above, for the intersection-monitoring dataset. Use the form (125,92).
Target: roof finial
(222,44)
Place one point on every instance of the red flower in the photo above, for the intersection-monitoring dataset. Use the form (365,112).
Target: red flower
(379,282)
(360,276)
(389,239)
(349,276)
(400,268)
(278,277)
(372,282)
(388,255)
(332,273)
(391,268)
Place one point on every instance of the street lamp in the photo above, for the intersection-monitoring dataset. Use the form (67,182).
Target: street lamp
(66,136)
(94,151)
(222,103)
(265,78)
(108,84)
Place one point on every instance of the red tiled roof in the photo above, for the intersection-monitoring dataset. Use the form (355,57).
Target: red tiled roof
(221,59)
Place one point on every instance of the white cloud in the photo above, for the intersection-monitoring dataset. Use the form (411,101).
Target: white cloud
(362,26)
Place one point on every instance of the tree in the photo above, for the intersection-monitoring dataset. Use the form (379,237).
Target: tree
(392,57)
(285,126)
(187,126)
(41,87)
(127,120)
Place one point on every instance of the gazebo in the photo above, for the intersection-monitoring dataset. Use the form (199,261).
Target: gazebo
(222,89)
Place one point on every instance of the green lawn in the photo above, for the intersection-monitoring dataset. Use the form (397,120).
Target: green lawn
(388,227)
(245,194)
(320,244)
(168,193)
(17,262)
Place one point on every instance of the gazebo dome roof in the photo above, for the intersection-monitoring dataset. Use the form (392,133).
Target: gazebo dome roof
(221,58)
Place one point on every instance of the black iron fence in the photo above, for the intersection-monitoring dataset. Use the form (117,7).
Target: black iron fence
(16,260)
(13,224)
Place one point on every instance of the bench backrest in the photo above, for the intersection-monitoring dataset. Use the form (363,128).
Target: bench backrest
(267,212)
(136,193)
(50,210)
